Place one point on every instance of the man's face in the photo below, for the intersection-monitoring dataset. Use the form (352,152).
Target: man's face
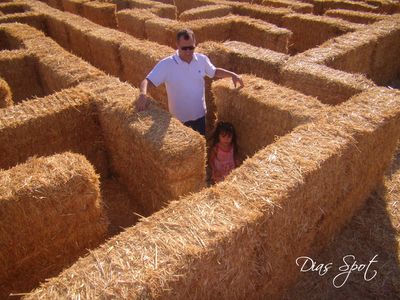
(186,54)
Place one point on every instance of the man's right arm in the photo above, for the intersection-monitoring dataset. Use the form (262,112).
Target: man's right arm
(156,77)
(143,102)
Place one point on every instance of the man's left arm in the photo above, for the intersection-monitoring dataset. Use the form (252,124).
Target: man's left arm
(214,72)
(222,73)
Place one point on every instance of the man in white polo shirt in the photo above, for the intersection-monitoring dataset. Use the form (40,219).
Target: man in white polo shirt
(183,74)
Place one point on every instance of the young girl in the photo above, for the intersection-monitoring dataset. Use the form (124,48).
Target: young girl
(223,152)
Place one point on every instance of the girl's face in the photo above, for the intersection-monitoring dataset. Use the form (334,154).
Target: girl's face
(225,138)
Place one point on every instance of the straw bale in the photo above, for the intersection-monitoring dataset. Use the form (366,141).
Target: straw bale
(160,9)
(51,212)
(100,13)
(384,6)
(183,5)
(13,35)
(5,94)
(77,30)
(354,16)
(385,61)
(138,59)
(267,14)
(104,47)
(294,5)
(12,8)
(372,231)
(57,30)
(153,154)
(330,86)
(133,21)
(310,31)
(74,6)
(255,60)
(239,239)
(206,12)
(320,6)
(259,33)
(162,31)
(57,68)
(58,4)
(63,121)
(18,68)
(262,111)
(34,19)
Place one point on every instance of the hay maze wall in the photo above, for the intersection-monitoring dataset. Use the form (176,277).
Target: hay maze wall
(318,125)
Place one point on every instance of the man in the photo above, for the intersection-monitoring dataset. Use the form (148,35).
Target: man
(183,74)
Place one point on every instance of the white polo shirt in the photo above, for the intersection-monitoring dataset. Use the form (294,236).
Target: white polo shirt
(184,83)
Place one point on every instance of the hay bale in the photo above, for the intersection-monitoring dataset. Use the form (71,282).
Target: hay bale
(138,59)
(57,4)
(310,31)
(13,35)
(240,238)
(385,61)
(206,12)
(78,29)
(74,6)
(354,16)
(54,75)
(19,69)
(12,8)
(267,14)
(104,48)
(5,94)
(153,154)
(51,212)
(34,19)
(262,111)
(100,13)
(255,60)
(320,6)
(259,33)
(64,121)
(296,6)
(330,86)
(57,30)
(160,9)
(162,31)
(132,21)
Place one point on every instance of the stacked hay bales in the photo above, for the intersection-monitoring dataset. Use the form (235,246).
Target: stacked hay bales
(100,13)
(64,121)
(74,6)
(310,31)
(373,231)
(206,12)
(320,6)
(267,14)
(262,111)
(160,9)
(240,238)
(5,94)
(153,154)
(133,21)
(18,68)
(294,5)
(354,16)
(51,212)
(330,86)
(372,51)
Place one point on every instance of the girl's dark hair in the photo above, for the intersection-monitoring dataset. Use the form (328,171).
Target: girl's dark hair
(224,127)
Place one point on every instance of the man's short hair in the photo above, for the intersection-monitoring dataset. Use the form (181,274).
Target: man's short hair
(185,34)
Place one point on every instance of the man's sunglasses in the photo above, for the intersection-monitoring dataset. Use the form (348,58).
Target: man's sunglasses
(188,48)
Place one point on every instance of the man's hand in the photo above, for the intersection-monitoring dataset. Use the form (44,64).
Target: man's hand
(142,102)
(237,79)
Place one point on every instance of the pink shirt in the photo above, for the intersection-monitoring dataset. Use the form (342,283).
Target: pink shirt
(222,164)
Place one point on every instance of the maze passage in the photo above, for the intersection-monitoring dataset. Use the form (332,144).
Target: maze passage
(101,200)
